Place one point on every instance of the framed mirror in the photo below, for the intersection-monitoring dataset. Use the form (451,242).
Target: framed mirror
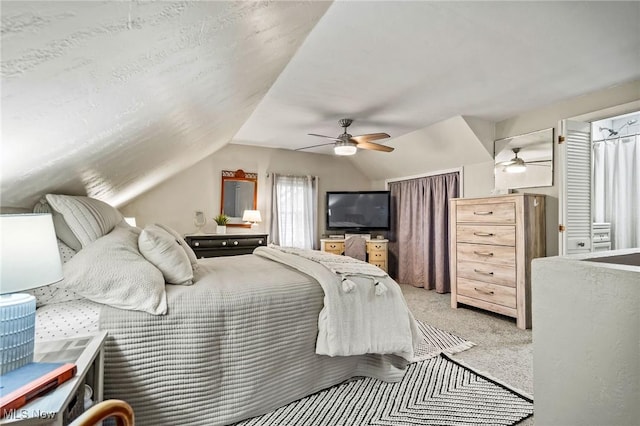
(524,161)
(239,193)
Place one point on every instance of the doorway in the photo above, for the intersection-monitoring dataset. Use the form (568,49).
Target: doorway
(615,176)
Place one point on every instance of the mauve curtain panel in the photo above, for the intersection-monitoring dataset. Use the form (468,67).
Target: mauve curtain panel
(419,246)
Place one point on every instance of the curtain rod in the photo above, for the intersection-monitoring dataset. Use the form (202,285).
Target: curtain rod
(617,137)
(280,174)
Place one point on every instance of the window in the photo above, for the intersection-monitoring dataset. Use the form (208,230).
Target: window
(294,211)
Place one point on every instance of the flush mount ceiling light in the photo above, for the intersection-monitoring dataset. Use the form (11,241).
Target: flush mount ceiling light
(345,148)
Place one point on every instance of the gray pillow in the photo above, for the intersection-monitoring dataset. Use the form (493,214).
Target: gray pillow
(187,248)
(161,248)
(112,271)
(80,220)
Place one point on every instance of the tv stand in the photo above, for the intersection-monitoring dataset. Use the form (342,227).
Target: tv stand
(377,250)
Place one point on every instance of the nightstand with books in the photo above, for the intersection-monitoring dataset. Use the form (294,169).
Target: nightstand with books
(61,405)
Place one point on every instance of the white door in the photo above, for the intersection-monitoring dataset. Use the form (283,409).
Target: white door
(575,187)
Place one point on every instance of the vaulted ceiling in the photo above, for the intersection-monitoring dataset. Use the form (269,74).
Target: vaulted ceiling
(111,98)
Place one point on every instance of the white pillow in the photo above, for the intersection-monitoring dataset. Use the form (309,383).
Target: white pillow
(161,248)
(112,271)
(81,220)
(50,294)
(187,248)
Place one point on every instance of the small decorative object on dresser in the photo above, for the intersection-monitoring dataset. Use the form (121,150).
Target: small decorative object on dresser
(225,245)
(377,250)
(493,241)
(221,222)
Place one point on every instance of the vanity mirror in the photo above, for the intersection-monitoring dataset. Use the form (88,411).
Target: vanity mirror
(239,193)
(524,161)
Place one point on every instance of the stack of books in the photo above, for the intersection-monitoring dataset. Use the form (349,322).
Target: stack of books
(20,386)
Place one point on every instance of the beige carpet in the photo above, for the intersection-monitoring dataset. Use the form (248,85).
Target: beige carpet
(502,350)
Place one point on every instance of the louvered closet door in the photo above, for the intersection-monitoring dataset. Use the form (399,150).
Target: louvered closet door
(575,187)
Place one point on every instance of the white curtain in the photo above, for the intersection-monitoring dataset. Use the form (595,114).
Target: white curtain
(294,211)
(616,189)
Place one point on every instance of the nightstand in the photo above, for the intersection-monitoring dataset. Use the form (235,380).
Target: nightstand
(63,404)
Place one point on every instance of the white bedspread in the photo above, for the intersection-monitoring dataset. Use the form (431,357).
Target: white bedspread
(359,320)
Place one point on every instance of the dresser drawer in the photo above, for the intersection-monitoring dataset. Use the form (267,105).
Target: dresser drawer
(504,255)
(501,235)
(380,264)
(488,272)
(377,247)
(337,247)
(376,256)
(497,294)
(482,213)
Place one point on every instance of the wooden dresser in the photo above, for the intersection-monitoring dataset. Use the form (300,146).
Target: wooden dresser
(377,250)
(215,245)
(493,241)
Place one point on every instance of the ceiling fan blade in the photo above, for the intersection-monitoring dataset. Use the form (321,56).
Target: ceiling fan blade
(326,137)
(505,163)
(374,146)
(369,137)
(314,146)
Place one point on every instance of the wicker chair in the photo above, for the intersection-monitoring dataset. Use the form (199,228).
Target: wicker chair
(120,410)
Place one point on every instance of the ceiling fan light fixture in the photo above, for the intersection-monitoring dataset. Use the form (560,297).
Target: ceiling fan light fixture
(518,166)
(345,148)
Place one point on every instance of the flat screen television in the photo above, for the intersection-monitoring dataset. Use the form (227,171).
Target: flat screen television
(358,210)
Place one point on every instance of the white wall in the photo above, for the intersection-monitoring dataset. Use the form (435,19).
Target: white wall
(590,106)
(586,324)
(198,188)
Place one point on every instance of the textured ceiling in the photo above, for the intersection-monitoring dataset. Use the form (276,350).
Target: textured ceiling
(397,67)
(111,98)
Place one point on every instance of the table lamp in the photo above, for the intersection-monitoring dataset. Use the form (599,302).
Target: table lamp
(251,216)
(29,258)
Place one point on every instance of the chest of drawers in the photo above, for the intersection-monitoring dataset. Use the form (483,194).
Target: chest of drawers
(493,241)
(215,245)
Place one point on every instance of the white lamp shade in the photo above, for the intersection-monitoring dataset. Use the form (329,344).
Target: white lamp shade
(29,256)
(251,216)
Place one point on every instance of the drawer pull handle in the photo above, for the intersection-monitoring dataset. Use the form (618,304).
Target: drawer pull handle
(484,234)
(483,272)
(197,244)
(483,253)
(482,213)
(259,241)
(224,243)
(235,243)
(479,290)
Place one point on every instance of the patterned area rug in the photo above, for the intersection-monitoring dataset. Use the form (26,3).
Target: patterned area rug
(435,390)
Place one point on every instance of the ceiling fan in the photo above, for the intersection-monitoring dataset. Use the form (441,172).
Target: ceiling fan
(517,164)
(345,144)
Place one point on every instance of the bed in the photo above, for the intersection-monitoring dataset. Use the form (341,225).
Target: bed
(243,336)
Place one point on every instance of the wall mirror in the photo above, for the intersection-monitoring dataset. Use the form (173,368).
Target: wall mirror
(239,193)
(524,161)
